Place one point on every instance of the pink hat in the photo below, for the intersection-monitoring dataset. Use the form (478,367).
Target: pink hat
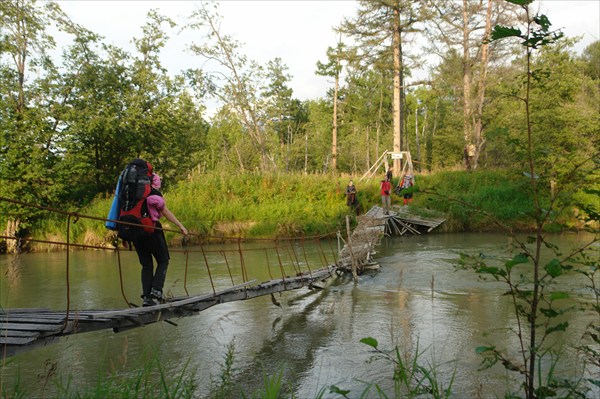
(155,181)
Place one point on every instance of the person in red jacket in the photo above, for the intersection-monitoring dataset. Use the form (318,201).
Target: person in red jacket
(386,199)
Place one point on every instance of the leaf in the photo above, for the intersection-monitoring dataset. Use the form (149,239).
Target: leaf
(542,21)
(559,295)
(370,341)
(482,349)
(558,327)
(501,32)
(334,389)
(549,312)
(520,2)
(494,271)
(553,268)
(517,259)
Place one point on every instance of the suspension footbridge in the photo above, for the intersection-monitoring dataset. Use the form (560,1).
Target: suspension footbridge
(25,329)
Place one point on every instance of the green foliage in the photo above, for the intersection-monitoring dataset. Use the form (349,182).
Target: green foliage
(591,58)
(226,387)
(151,381)
(503,194)
(531,283)
(411,378)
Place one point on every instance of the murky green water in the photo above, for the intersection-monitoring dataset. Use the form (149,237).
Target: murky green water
(417,301)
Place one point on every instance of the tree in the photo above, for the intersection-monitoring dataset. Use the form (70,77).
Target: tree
(28,152)
(380,28)
(591,57)
(278,106)
(531,280)
(333,68)
(465,27)
(242,79)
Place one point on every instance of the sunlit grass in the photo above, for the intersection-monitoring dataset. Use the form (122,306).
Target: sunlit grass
(283,205)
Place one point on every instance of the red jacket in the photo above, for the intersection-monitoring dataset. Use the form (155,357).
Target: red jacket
(386,188)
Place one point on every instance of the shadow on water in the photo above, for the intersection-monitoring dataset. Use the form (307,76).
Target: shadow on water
(297,337)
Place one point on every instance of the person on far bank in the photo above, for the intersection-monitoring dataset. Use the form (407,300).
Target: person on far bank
(386,199)
(407,181)
(389,175)
(155,245)
(351,200)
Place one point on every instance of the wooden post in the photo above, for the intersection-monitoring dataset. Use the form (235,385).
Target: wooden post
(354,273)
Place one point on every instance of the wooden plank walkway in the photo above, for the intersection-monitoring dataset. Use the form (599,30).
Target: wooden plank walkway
(360,247)
(25,329)
(375,224)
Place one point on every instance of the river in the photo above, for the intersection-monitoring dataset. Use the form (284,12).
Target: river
(417,301)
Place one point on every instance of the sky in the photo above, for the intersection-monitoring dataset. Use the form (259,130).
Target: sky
(297,31)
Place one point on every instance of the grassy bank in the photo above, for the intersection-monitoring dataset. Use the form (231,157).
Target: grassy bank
(252,205)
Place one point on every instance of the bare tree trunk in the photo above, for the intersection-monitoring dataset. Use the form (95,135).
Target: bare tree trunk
(368,165)
(397,90)
(334,129)
(466,83)
(306,153)
(378,126)
(479,139)
(418,148)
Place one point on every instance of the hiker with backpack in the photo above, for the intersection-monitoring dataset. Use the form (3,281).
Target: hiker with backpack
(141,206)
(405,183)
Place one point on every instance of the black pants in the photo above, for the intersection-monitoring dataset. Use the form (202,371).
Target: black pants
(154,245)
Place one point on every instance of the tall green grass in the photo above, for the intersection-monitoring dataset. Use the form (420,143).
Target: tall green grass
(469,199)
(285,205)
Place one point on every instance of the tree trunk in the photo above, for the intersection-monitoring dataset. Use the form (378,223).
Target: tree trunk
(397,46)
(334,129)
(466,84)
(378,125)
(478,127)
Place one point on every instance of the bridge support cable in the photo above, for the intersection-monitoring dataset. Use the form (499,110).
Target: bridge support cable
(268,263)
(335,258)
(121,276)
(280,264)
(290,250)
(212,284)
(242,263)
(306,257)
(67,277)
(322,254)
(228,268)
(187,257)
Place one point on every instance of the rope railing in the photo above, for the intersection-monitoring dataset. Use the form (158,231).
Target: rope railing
(286,243)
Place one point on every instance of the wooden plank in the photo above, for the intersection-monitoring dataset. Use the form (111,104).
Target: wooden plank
(16,340)
(29,327)
(24,310)
(150,309)
(18,333)
(35,319)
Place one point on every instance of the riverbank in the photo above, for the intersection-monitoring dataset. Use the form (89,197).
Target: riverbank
(292,205)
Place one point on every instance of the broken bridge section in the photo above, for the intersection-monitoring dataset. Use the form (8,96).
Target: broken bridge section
(359,247)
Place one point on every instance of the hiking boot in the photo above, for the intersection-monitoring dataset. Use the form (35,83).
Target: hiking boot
(156,294)
(149,301)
